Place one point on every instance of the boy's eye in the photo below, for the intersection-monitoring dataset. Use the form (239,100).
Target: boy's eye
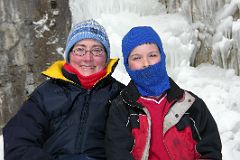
(136,58)
(152,55)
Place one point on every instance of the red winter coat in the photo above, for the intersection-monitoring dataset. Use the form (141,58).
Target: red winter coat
(171,139)
(189,130)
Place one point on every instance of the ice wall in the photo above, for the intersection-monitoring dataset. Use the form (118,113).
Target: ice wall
(94,9)
(214,26)
(119,16)
(226,40)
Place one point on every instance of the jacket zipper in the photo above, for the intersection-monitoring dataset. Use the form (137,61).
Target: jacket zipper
(146,148)
(83,119)
(164,143)
(149,130)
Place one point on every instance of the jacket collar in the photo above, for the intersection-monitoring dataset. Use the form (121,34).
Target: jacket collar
(175,92)
(130,94)
(55,71)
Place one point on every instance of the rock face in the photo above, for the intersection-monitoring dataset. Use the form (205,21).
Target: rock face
(32,36)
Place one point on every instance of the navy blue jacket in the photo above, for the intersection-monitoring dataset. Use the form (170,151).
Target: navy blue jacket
(61,118)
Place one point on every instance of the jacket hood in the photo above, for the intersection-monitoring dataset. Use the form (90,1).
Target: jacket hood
(55,70)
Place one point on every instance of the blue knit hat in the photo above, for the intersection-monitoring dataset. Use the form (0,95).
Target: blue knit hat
(89,29)
(138,36)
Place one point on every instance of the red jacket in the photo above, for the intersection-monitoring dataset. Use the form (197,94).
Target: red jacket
(189,130)
(172,139)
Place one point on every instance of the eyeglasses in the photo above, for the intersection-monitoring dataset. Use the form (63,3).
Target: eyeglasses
(82,51)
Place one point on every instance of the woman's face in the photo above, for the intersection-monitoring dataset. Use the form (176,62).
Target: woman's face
(88,57)
(144,56)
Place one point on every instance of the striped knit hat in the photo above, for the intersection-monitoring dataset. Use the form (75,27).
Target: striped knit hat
(89,29)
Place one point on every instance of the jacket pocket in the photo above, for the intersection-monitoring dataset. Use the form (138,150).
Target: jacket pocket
(180,144)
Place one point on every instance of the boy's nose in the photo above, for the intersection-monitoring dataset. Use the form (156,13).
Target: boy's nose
(145,63)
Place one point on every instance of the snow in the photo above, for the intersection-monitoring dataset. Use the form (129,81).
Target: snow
(219,88)
(40,26)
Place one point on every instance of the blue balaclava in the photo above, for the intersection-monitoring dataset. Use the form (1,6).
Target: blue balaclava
(153,80)
(88,29)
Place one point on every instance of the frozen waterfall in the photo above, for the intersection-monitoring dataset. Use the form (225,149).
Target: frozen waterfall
(207,31)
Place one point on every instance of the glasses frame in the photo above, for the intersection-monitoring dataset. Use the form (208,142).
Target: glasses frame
(77,51)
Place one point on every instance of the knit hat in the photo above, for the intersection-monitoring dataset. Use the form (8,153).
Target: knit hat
(138,36)
(89,29)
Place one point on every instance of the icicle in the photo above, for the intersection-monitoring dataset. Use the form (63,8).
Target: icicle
(94,9)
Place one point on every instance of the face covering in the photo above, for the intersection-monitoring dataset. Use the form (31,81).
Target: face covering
(151,81)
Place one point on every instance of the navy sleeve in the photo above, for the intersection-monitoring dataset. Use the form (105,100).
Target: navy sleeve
(25,133)
(209,144)
(119,140)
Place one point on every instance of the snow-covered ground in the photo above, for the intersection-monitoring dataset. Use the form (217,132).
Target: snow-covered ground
(219,88)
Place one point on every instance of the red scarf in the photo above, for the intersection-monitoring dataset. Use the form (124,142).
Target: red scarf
(87,82)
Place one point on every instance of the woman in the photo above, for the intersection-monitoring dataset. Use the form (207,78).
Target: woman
(64,118)
(153,118)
